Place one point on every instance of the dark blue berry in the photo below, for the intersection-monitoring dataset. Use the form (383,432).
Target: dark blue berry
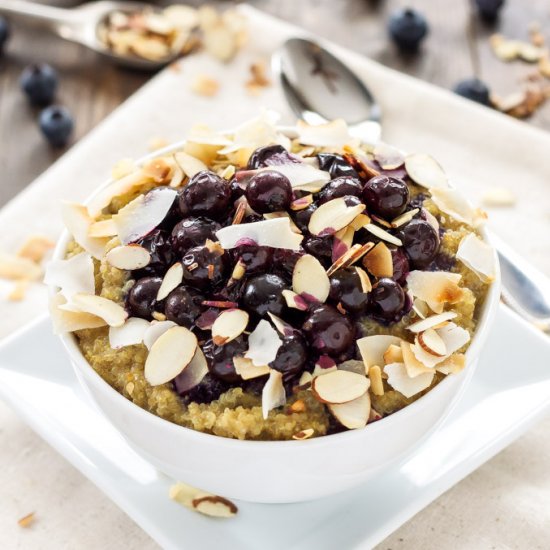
(489,9)
(57,125)
(407,28)
(4,32)
(474,89)
(39,82)
(270,155)
(336,165)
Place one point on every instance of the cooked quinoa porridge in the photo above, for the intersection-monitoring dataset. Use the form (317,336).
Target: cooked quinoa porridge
(267,285)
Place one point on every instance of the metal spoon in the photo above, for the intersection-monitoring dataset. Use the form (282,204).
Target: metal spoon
(81,24)
(319,87)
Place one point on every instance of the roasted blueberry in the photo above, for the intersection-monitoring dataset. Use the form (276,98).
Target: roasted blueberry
(39,82)
(257,259)
(220,358)
(141,300)
(387,300)
(346,290)
(157,243)
(269,191)
(327,331)
(206,194)
(183,306)
(407,28)
(474,89)
(420,241)
(386,196)
(321,247)
(291,357)
(263,293)
(191,232)
(284,261)
(401,266)
(4,33)
(56,124)
(301,217)
(270,155)
(340,187)
(489,9)
(204,266)
(336,165)
(209,389)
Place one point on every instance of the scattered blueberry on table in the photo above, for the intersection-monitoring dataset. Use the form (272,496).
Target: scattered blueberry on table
(39,82)
(474,89)
(407,28)
(489,9)
(56,124)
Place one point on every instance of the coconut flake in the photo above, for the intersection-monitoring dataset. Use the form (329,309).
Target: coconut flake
(143,214)
(330,134)
(302,176)
(400,381)
(113,314)
(72,276)
(383,234)
(455,205)
(189,164)
(69,321)
(155,330)
(128,257)
(392,355)
(263,344)
(170,354)
(102,228)
(246,368)
(413,365)
(193,374)
(388,157)
(276,233)
(229,324)
(128,334)
(372,348)
(340,386)
(172,279)
(426,171)
(309,277)
(332,216)
(454,338)
(379,261)
(273,394)
(353,414)
(436,288)
(478,256)
(78,223)
(433,321)
(453,364)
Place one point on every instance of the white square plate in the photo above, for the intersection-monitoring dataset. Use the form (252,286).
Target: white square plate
(506,395)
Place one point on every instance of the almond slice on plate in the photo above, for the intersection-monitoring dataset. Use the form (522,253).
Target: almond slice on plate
(332,216)
(426,171)
(128,257)
(372,348)
(400,381)
(246,369)
(383,234)
(379,261)
(229,324)
(388,157)
(433,321)
(169,355)
(155,331)
(70,321)
(294,300)
(430,341)
(73,275)
(215,506)
(193,374)
(113,314)
(355,253)
(263,344)
(273,393)
(128,334)
(78,223)
(171,280)
(189,164)
(353,414)
(404,218)
(339,386)
(310,278)
(102,228)
(478,256)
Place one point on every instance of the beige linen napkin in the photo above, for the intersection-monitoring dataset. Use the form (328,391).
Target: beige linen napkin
(477,147)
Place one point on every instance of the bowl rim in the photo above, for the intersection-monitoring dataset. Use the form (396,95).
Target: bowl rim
(484,324)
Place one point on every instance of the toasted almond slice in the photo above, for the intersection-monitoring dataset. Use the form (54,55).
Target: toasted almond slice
(283,328)
(263,344)
(302,176)
(388,157)
(372,348)
(406,217)
(342,242)
(214,506)
(393,354)
(140,216)
(78,222)
(76,274)
(172,279)
(355,253)
(339,386)
(103,228)
(193,374)
(304,434)
(366,285)
(353,414)
(379,261)
(169,355)
(381,221)
(177,176)
(431,342)
(294,300)
(383,234)
(35,248)
(400,381)
(478,256)
(158,169)
(453,336)
(229,324)
(128,334)
(305,380)
(113,314)
(128,257)
(240,212)
(155,331)
(196,499)
(360,221)
(426,171)
(301,203)
(433,321)
(276,233)
(435,287)
(189,164)
(70,321)
(431,219)
(247,370)
(376,383)
(310,278)
(332,216)
(330,134)
(273,393)
(455,205)
(453,364)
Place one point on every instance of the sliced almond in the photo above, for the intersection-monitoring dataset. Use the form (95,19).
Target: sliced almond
(379,261)
(158,169)
(342,242)
(353,414)
(425,171)
(310,278)
(372,348)
(78,222)
(305,380)
(360,221)
(406,217)
(478,256)
(355,253)
(283,328)
(400,381)
(455,205)
(276,233)
(193,374)
(393,354)
(171,280)
(388,157)
(431,342)
(413,365)
(453,336)
(214,506)
(229,324)
(155,330)
(273,393)
(240,212)
(433,321)
(113,314)
(263,344)
(247,370)
(128,334)
(366,285)
(340,386)
(128,257)
(189,164)
(431,219)
(383,234)
(71,276)
(70,321)
(436,288)
(103,228)
(376,382)
(169,355)
(304,434)
(329,134)
(381,221)
(332,216)
(302,203)
(294,300)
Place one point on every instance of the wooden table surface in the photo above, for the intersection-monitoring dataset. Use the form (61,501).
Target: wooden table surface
(457,47)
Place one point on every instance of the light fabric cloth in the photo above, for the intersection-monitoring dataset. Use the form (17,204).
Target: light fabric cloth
(505,503)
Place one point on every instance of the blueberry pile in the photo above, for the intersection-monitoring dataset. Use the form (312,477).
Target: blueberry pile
(253,277)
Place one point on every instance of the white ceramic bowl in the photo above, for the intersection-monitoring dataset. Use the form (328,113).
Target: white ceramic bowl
(277,471)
